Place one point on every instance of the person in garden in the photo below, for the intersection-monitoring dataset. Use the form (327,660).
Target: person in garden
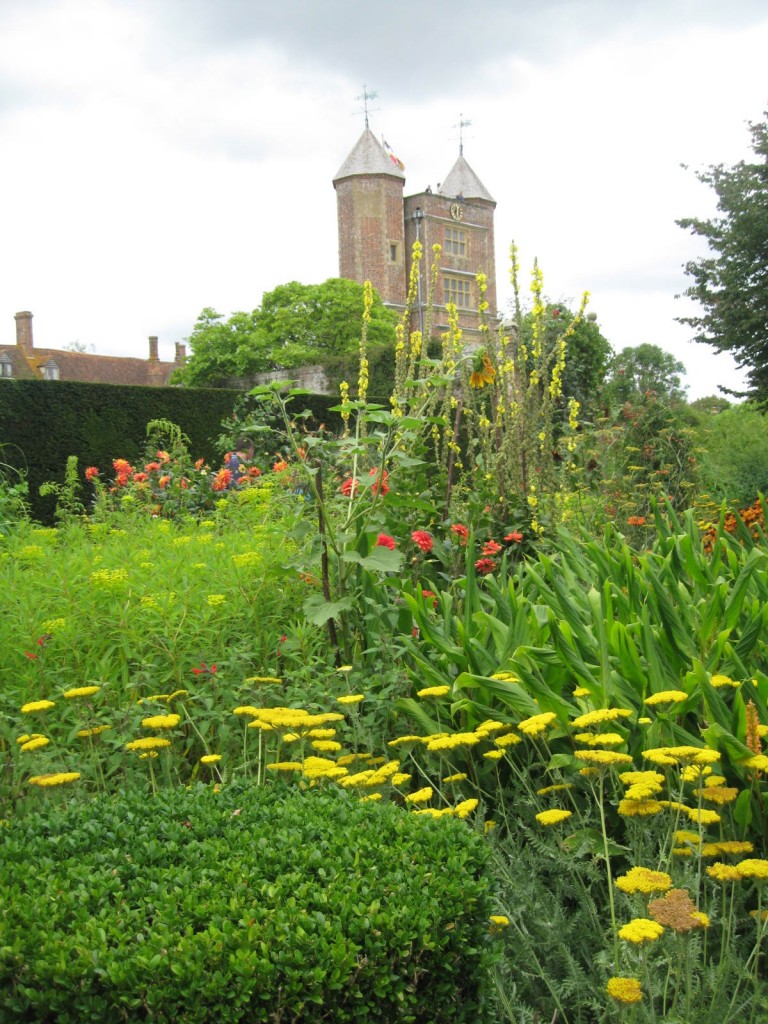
(236,462)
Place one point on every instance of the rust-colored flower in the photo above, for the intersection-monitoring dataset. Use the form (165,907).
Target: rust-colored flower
(515,537)
(91,473)
(676,910)
(350,487)
(491,547)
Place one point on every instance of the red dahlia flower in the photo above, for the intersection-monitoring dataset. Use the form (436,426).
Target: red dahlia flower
(515,536)
(91,473)
(461,532)
(221,481)
(385,541)
(422,539)
(485,566)
(491,547)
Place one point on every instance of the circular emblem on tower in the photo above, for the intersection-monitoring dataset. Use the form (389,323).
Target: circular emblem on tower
(457,211)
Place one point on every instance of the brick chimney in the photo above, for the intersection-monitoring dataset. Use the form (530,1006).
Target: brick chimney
(24,331)
(153,348)
(181,354)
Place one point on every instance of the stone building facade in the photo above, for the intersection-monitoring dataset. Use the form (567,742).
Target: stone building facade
(378,226)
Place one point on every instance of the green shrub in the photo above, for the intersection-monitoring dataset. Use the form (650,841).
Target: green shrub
(242,905)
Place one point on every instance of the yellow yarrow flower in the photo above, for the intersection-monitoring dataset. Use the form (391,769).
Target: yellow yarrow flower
(81,691)
(37,705)
(494,755)
(552,817)
(639,808)
(536,724)
(148,743)
(599,739)
(433,691)
(624,990)
(602,757)
(450,742)
(720,680)
(643,880)
(601,715)
(35,744)
(753,868)
(507,740)
(669,756)
(421,796)
(285,766)
(404,739)
(84,733)
(641,930)
(161,721)
(465,808)
(666,697)
(724,872)
(53,779)
(210,758)
(352,698)
(581,691)
(458,777)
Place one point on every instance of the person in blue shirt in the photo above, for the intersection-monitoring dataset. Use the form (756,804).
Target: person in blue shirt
(236,463)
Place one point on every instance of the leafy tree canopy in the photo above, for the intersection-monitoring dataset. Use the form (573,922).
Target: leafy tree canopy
(296,325)
(731,283)
(643,370)
(587,351)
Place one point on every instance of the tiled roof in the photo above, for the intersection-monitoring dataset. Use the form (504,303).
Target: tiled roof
(368,156)
(86,366)
(462,181)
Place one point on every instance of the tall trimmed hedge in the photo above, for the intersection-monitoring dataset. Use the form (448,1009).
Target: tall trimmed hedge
(266,904)
(42,423)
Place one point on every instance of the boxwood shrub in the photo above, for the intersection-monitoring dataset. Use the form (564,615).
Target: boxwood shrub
(259,904)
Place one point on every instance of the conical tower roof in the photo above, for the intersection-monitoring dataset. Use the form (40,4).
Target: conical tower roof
(462,181)
(368,156)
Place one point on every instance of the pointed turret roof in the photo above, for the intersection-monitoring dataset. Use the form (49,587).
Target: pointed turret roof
(462,181)
(368,157)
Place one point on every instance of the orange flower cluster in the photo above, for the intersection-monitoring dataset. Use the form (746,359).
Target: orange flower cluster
(753,518)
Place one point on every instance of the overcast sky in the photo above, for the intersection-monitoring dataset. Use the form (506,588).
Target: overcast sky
(160,156)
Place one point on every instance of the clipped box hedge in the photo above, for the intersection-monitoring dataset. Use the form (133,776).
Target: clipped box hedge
(266,904)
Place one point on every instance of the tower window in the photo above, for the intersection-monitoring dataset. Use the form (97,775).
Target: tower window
(393,252)
(455,242)
(456,290)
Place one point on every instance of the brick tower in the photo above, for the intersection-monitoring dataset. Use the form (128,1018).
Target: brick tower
(378,226)
(369,200)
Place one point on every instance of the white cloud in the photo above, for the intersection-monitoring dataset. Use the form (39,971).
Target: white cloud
(162,160)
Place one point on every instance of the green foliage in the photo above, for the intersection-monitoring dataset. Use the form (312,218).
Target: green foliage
(296,325)
(731,282)
(244,905)
(68,502)
(14,507)
(642,372)
(43,423)
(733,460)
(587,352)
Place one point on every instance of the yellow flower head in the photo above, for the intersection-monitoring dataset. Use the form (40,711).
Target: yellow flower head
(465,808)
(641,930)
(433,691)
(37,705)
(753,868)
(148,743)
(724,872)
(35,744)
(81,691)
(667,697)
(537,723)
(161,721)
(421,796)
(210,758)
(719,680)
(624,990)
(53,779)
(643,880)
(352,698)
(552,817)
(602,757)
(601,715)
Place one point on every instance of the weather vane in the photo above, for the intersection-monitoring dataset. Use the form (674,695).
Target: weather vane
(461,126)
(365,97)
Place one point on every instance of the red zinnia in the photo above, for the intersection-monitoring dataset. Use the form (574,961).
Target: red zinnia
(461,532)
(491,547)
(485,566)
(381,480)
(91,473)
(385,541)
(349,487)
(422,539)
(515,536)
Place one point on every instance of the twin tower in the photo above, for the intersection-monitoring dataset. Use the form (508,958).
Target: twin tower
(378,226)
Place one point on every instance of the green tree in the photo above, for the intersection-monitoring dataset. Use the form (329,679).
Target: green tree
(643,370)
(731,283)
(587,352)
(295,325)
